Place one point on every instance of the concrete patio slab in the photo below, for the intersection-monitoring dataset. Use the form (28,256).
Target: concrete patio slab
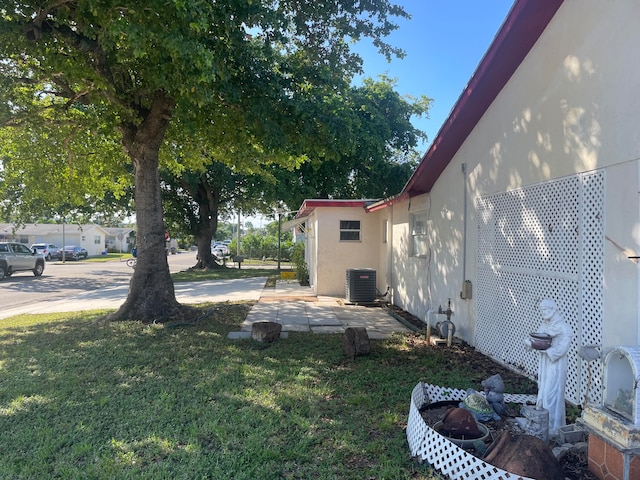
(290,305)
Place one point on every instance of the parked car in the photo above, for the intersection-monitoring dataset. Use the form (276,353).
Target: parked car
(223,247)
(17,257)
(73,252)
(49,250)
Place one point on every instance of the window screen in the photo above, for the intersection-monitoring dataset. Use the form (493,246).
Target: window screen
(419,244)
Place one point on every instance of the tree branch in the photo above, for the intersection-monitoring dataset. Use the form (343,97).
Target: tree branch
(99,63)
(33,30)
(95,57)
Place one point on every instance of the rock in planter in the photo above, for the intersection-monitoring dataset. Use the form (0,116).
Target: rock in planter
(524,455)
(266,332)
(356,341)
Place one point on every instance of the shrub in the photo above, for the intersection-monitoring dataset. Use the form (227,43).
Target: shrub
(297,257)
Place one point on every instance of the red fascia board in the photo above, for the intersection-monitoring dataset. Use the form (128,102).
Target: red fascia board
(309,206)
(387,202)
(524,24)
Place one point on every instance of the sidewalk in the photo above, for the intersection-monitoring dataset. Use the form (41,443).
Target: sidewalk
(298,310)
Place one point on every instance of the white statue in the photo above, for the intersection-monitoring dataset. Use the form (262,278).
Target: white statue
(552,370)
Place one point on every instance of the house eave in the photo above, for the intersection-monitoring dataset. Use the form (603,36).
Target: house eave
(310,205)
(387,202)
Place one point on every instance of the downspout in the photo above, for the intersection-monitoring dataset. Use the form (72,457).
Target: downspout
(464,226)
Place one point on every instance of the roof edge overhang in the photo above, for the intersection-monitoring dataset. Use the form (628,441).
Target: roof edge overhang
(387,202)
(310,205)
(521,29)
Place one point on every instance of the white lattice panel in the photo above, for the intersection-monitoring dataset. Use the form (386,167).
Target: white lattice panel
(442,454)
(542,241)
(591,294)
(435,394)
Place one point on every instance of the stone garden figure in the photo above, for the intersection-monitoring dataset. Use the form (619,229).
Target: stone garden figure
(494,392)
(552,370)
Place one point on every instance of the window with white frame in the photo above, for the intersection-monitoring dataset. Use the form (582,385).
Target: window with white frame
(97,239)
(349,230)
(419,243)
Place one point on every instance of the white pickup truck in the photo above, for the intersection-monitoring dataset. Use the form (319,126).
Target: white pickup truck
(17,257)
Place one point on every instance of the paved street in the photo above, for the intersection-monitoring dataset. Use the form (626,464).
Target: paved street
(63,281)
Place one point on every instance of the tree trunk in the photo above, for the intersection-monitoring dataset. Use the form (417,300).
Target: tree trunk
(205,257)
(151,292)
(208,203)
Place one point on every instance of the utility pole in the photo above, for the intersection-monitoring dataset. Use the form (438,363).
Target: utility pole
(63,240)
(238,237)
(279,235)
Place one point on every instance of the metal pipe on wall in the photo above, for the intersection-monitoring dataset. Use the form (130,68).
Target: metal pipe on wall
(464,231)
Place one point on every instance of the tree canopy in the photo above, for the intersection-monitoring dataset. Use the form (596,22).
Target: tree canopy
(377,153)
(242,72)
(372,157)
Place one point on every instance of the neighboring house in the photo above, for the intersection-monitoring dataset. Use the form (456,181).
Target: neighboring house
(119,239)
(529,190)
(90,237)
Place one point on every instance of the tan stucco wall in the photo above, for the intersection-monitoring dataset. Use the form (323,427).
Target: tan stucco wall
(411,274)
(621,240)
(571,107)
(334,257)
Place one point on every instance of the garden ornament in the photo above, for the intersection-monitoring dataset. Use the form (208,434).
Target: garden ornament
(552,367)
(494,393)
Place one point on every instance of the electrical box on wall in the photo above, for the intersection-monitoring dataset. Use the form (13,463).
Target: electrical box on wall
(465,294)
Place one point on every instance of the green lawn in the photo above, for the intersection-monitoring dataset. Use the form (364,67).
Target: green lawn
(81,398)
(222,273)
(109,257)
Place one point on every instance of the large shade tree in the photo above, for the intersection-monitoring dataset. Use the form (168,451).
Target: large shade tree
(368,152)
(145,64)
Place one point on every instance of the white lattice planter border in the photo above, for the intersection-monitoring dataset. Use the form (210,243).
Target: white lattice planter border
(442,454)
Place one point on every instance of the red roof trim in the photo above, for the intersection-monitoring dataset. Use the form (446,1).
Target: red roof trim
(310,205)
(387,202)
(524,24)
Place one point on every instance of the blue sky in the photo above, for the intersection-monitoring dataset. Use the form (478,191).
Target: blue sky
(444,42)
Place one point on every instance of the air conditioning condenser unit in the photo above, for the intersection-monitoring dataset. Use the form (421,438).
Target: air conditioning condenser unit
(361,285)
